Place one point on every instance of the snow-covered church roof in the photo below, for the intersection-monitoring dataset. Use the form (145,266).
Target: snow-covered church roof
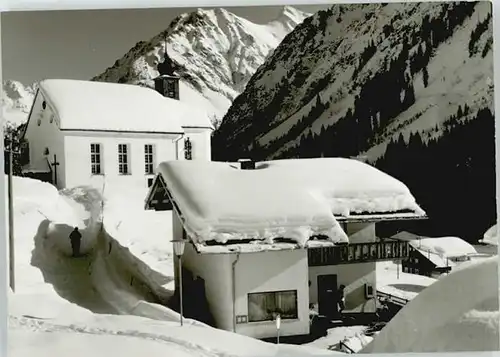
(101,106)
(294,199)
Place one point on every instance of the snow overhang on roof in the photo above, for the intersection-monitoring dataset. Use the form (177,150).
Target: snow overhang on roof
(297,199)
(112,107)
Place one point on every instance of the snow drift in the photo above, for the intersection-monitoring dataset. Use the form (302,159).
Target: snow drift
(459,312)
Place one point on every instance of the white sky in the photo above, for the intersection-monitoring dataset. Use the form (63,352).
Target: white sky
(83,43)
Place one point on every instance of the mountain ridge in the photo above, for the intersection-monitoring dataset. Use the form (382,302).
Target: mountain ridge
(216,51)
(337,61)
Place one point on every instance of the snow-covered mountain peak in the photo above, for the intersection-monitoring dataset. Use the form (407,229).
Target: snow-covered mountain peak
(16,102)
(216,53)
(290,14)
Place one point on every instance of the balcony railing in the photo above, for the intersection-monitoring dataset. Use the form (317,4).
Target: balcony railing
(358,253)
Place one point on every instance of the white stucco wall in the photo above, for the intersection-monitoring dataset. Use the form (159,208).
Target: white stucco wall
(73,149)
(45,135)
(216,271)
(272,271)
(201,143)
(78,157)
(353,276)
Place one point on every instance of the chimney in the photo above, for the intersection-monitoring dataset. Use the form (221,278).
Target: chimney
(247,164)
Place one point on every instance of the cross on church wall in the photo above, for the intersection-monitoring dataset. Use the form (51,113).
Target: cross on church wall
(54,164)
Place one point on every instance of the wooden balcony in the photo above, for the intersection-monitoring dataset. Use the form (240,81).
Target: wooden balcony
(358,253)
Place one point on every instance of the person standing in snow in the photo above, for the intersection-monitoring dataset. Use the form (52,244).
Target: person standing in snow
(341,298)
(75,238)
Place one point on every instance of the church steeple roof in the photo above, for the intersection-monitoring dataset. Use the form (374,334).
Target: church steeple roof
(167,66)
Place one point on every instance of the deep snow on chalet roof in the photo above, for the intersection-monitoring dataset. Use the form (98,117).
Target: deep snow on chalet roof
(101,106)
(297,199)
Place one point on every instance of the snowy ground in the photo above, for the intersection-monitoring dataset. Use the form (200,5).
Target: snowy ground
(352,336)
(459,312)
(88,304)
(401,285)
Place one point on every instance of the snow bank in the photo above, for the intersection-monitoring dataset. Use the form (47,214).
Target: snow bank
(134,261)
(445,247)
(352,336)
(99,283)
(459,312)
(111,106)
(296,199)
(36,204)
(146,235)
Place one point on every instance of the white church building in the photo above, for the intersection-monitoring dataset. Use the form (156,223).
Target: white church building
(280,237)
(80,132)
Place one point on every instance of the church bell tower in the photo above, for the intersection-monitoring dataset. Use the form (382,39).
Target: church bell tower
(167,83)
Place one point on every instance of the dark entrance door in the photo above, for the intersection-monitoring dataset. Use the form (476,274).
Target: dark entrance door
(327,296)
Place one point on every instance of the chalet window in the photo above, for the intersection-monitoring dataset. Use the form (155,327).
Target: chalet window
(95,159)
(188,149)
(149,159)
(265,306)
(123,159)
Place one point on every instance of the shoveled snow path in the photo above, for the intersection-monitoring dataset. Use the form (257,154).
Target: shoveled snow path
(71,278)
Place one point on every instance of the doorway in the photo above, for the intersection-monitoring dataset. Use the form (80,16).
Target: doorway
(327,296)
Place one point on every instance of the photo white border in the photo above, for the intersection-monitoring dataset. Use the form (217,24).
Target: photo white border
(34,5)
